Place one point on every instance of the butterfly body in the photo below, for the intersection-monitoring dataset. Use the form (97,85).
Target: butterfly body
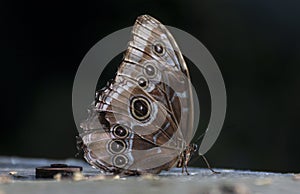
(142,121)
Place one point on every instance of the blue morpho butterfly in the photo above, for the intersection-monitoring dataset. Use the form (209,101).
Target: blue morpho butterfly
(142,122)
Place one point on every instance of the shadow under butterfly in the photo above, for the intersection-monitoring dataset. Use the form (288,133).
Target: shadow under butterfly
(142,121)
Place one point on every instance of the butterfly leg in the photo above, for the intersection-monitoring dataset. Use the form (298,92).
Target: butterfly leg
(186,170)
(209,167)
(184,159)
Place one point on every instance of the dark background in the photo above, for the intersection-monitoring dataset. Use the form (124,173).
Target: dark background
(255,43)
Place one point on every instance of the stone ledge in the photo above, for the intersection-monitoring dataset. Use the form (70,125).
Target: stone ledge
(18,176)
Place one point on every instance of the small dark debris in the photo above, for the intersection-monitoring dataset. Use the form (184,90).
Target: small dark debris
(50,171)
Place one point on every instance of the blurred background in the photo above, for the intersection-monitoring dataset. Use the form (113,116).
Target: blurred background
(255,43)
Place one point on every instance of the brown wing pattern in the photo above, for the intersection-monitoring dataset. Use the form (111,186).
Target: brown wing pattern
(140,121)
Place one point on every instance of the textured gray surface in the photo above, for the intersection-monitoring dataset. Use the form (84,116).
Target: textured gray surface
(200,181)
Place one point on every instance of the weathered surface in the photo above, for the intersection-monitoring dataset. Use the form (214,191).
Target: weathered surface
(17,175)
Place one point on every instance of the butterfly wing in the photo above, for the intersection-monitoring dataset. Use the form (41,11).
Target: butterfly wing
(141,121)
(154,44)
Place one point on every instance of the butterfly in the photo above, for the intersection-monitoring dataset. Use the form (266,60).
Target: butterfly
(142,121)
